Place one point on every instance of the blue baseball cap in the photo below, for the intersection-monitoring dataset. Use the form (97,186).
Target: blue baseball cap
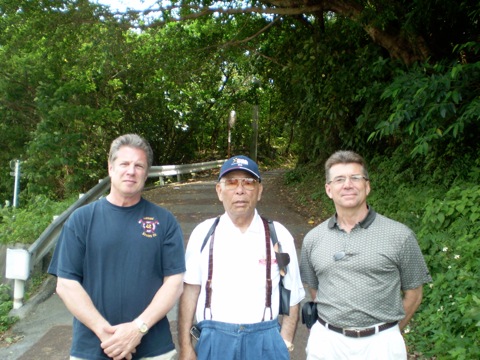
(240,162)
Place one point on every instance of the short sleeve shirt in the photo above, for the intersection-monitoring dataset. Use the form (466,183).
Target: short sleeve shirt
(239,271)
(364,287)
(120,255)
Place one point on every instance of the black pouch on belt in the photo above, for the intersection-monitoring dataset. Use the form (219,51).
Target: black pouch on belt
(309,314)
(283,259)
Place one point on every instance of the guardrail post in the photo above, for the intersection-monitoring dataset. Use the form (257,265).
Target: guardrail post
(18,293)
(18,268)
(179,178)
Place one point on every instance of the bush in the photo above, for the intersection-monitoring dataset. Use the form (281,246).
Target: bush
(5,306)
(449,324)
(24,225)
(442,205)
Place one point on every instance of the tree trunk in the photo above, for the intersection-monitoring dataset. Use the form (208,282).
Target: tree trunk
(408,48)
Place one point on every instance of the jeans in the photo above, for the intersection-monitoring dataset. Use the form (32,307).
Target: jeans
(225,341)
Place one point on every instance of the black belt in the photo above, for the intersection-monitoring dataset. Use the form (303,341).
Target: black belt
(358,333)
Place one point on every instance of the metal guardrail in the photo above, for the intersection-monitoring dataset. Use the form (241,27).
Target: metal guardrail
(47,240)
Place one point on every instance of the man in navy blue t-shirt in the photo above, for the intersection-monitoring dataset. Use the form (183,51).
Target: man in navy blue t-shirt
(120,263)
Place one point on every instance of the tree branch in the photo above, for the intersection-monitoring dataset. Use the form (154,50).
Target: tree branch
(399,45)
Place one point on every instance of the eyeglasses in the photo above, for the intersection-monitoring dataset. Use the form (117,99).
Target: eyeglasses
(339,255)
(232,183)
(340,180)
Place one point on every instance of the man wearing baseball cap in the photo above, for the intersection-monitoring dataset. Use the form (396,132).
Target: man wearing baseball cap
(232,282)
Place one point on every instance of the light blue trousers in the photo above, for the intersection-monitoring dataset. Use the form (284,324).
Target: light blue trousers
(225,341)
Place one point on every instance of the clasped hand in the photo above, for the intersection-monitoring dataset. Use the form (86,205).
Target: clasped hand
(121,341)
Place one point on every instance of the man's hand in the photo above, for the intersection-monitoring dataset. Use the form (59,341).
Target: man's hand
(411,301)
(187,353)
(187,306)
(122,342)
(289,326)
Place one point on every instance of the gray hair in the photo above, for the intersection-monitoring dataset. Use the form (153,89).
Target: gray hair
(344,157)
(134,141)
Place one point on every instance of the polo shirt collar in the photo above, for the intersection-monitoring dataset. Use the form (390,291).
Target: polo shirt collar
(364,224)
(256,226)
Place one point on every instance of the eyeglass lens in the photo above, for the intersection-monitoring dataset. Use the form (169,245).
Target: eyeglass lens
(342,179)
(247,183)
(339,255)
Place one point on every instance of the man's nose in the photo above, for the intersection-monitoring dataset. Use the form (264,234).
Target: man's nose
(348,182)
(240,187)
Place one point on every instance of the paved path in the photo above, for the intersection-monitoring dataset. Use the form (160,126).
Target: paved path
(45,328)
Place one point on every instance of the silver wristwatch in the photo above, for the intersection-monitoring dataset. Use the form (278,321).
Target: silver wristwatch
(142,327)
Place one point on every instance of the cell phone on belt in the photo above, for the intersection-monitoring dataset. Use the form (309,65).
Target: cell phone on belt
(195,332)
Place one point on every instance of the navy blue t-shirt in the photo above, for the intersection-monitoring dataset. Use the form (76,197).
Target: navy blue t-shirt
(120,256)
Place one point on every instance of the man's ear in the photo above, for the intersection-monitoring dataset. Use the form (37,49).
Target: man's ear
(260,191)
(328,190)
(218,188)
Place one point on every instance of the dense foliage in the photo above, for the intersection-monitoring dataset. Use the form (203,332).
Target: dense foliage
(398,81)
(25,224)
(445,215)
(5,306)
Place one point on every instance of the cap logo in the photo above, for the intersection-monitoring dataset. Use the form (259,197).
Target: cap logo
(240,161)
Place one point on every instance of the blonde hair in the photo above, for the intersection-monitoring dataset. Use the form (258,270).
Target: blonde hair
(131,140)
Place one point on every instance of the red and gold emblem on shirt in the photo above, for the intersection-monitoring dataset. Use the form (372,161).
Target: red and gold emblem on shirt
(149,225)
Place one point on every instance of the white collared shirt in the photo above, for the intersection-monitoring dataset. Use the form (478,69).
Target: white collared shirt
(239,271)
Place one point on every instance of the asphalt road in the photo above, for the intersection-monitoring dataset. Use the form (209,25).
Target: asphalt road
(44,331)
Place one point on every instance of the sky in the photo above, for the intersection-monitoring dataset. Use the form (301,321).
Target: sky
(121,5)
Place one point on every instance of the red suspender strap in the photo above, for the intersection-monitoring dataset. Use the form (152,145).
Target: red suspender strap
(268,295)
(208,285)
